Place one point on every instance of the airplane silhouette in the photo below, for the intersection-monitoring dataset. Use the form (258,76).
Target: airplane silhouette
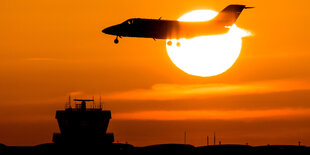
(173,29)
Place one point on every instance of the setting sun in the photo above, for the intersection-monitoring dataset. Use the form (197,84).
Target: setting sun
(206,55)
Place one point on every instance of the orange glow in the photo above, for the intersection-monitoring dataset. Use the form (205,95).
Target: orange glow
(213,115)
(51,49)
(172,92)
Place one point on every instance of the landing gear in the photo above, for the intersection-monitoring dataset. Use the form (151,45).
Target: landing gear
(169,43)
(116,40)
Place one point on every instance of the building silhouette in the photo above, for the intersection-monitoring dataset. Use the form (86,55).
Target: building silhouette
(82,125)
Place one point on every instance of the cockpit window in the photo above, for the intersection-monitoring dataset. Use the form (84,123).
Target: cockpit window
(129,22)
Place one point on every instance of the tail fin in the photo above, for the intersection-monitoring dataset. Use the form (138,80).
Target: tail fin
(230,14)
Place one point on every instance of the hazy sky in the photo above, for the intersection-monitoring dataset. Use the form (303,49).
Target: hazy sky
(50,49)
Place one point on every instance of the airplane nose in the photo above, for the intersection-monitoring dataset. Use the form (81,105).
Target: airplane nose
(107,30)
(113,30)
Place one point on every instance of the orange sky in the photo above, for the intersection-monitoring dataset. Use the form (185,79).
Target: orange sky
(50,49)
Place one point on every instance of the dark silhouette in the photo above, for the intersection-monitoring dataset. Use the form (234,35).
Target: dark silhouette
(83,130)
(83,125)
(172,29)
(54,148)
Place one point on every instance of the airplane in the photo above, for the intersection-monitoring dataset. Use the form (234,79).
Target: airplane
(173,29)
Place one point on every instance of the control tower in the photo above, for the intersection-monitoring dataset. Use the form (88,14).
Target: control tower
(82,125)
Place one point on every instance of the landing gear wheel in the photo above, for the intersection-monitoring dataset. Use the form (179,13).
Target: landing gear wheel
(169,43)
(178,44)
(116,41)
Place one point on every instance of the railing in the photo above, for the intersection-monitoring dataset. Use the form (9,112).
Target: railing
(78,108)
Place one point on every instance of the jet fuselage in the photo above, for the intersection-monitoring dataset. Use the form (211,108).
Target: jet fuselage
(173,29)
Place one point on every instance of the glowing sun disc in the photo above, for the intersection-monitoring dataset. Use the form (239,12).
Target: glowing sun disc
(206,55)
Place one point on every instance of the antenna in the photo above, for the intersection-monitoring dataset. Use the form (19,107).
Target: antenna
(214,139)
(207,140)
(100,102)
(75,103)
(185,137)
(93,102)
(69,102)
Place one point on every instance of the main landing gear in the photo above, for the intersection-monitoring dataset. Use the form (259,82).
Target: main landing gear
(169,43)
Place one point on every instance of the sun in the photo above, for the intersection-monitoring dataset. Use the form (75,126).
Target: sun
(206,55)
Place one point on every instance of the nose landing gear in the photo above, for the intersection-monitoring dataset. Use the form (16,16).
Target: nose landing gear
(116,40)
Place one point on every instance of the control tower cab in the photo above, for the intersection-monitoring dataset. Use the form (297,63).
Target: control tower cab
(83,125)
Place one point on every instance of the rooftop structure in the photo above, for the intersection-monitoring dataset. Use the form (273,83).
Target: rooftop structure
(83,125)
